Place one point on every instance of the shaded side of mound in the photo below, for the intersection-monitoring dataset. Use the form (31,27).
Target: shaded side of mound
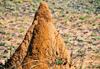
(42,47)
(21,51)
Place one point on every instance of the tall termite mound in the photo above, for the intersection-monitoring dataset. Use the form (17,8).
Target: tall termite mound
(42,47)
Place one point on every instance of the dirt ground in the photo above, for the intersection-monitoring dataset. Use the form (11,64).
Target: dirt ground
(77,21)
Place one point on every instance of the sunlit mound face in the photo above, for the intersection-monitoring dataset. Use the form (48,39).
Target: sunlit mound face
(43,12)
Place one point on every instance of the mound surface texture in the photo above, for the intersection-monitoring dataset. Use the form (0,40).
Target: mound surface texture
(42,47)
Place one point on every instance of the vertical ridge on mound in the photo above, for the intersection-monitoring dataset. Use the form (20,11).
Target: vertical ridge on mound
(42,46)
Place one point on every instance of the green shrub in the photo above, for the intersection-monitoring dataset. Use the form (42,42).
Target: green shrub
(21,30)
(2,43)
(5,56)
(18,1)
(1,22)
(82,18)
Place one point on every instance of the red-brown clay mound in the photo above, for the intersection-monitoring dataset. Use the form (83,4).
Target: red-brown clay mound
(42,46)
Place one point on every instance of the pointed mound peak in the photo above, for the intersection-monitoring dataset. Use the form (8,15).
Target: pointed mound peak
(43,12)
(43,5)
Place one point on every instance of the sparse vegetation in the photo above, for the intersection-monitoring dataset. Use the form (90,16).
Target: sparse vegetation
(5,56)
(19,1)
(1,22)
(58,62)
(9,38)
(69,44)
(93,34)
(96,66)
(67,35)
(21,30)
(82,18)
(2,31)
(10,48)
(2,43)
(80,39)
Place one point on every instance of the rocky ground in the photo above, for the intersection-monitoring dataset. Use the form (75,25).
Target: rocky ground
(77,21)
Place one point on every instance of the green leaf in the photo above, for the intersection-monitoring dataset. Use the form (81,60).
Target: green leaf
(82,18)
(80,67)
(84,68)
(69,44)
(96,65)
(41,1)
(67,35)
(58,62)
(5,56)
(93,42)
(2,44)
(99,38)
(21,30)
(34,8)
(93,34)
(11,48)
(81,39)
(63,34)
(9,38)
(1,22)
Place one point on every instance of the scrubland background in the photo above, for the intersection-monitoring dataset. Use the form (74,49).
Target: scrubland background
(77,21)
